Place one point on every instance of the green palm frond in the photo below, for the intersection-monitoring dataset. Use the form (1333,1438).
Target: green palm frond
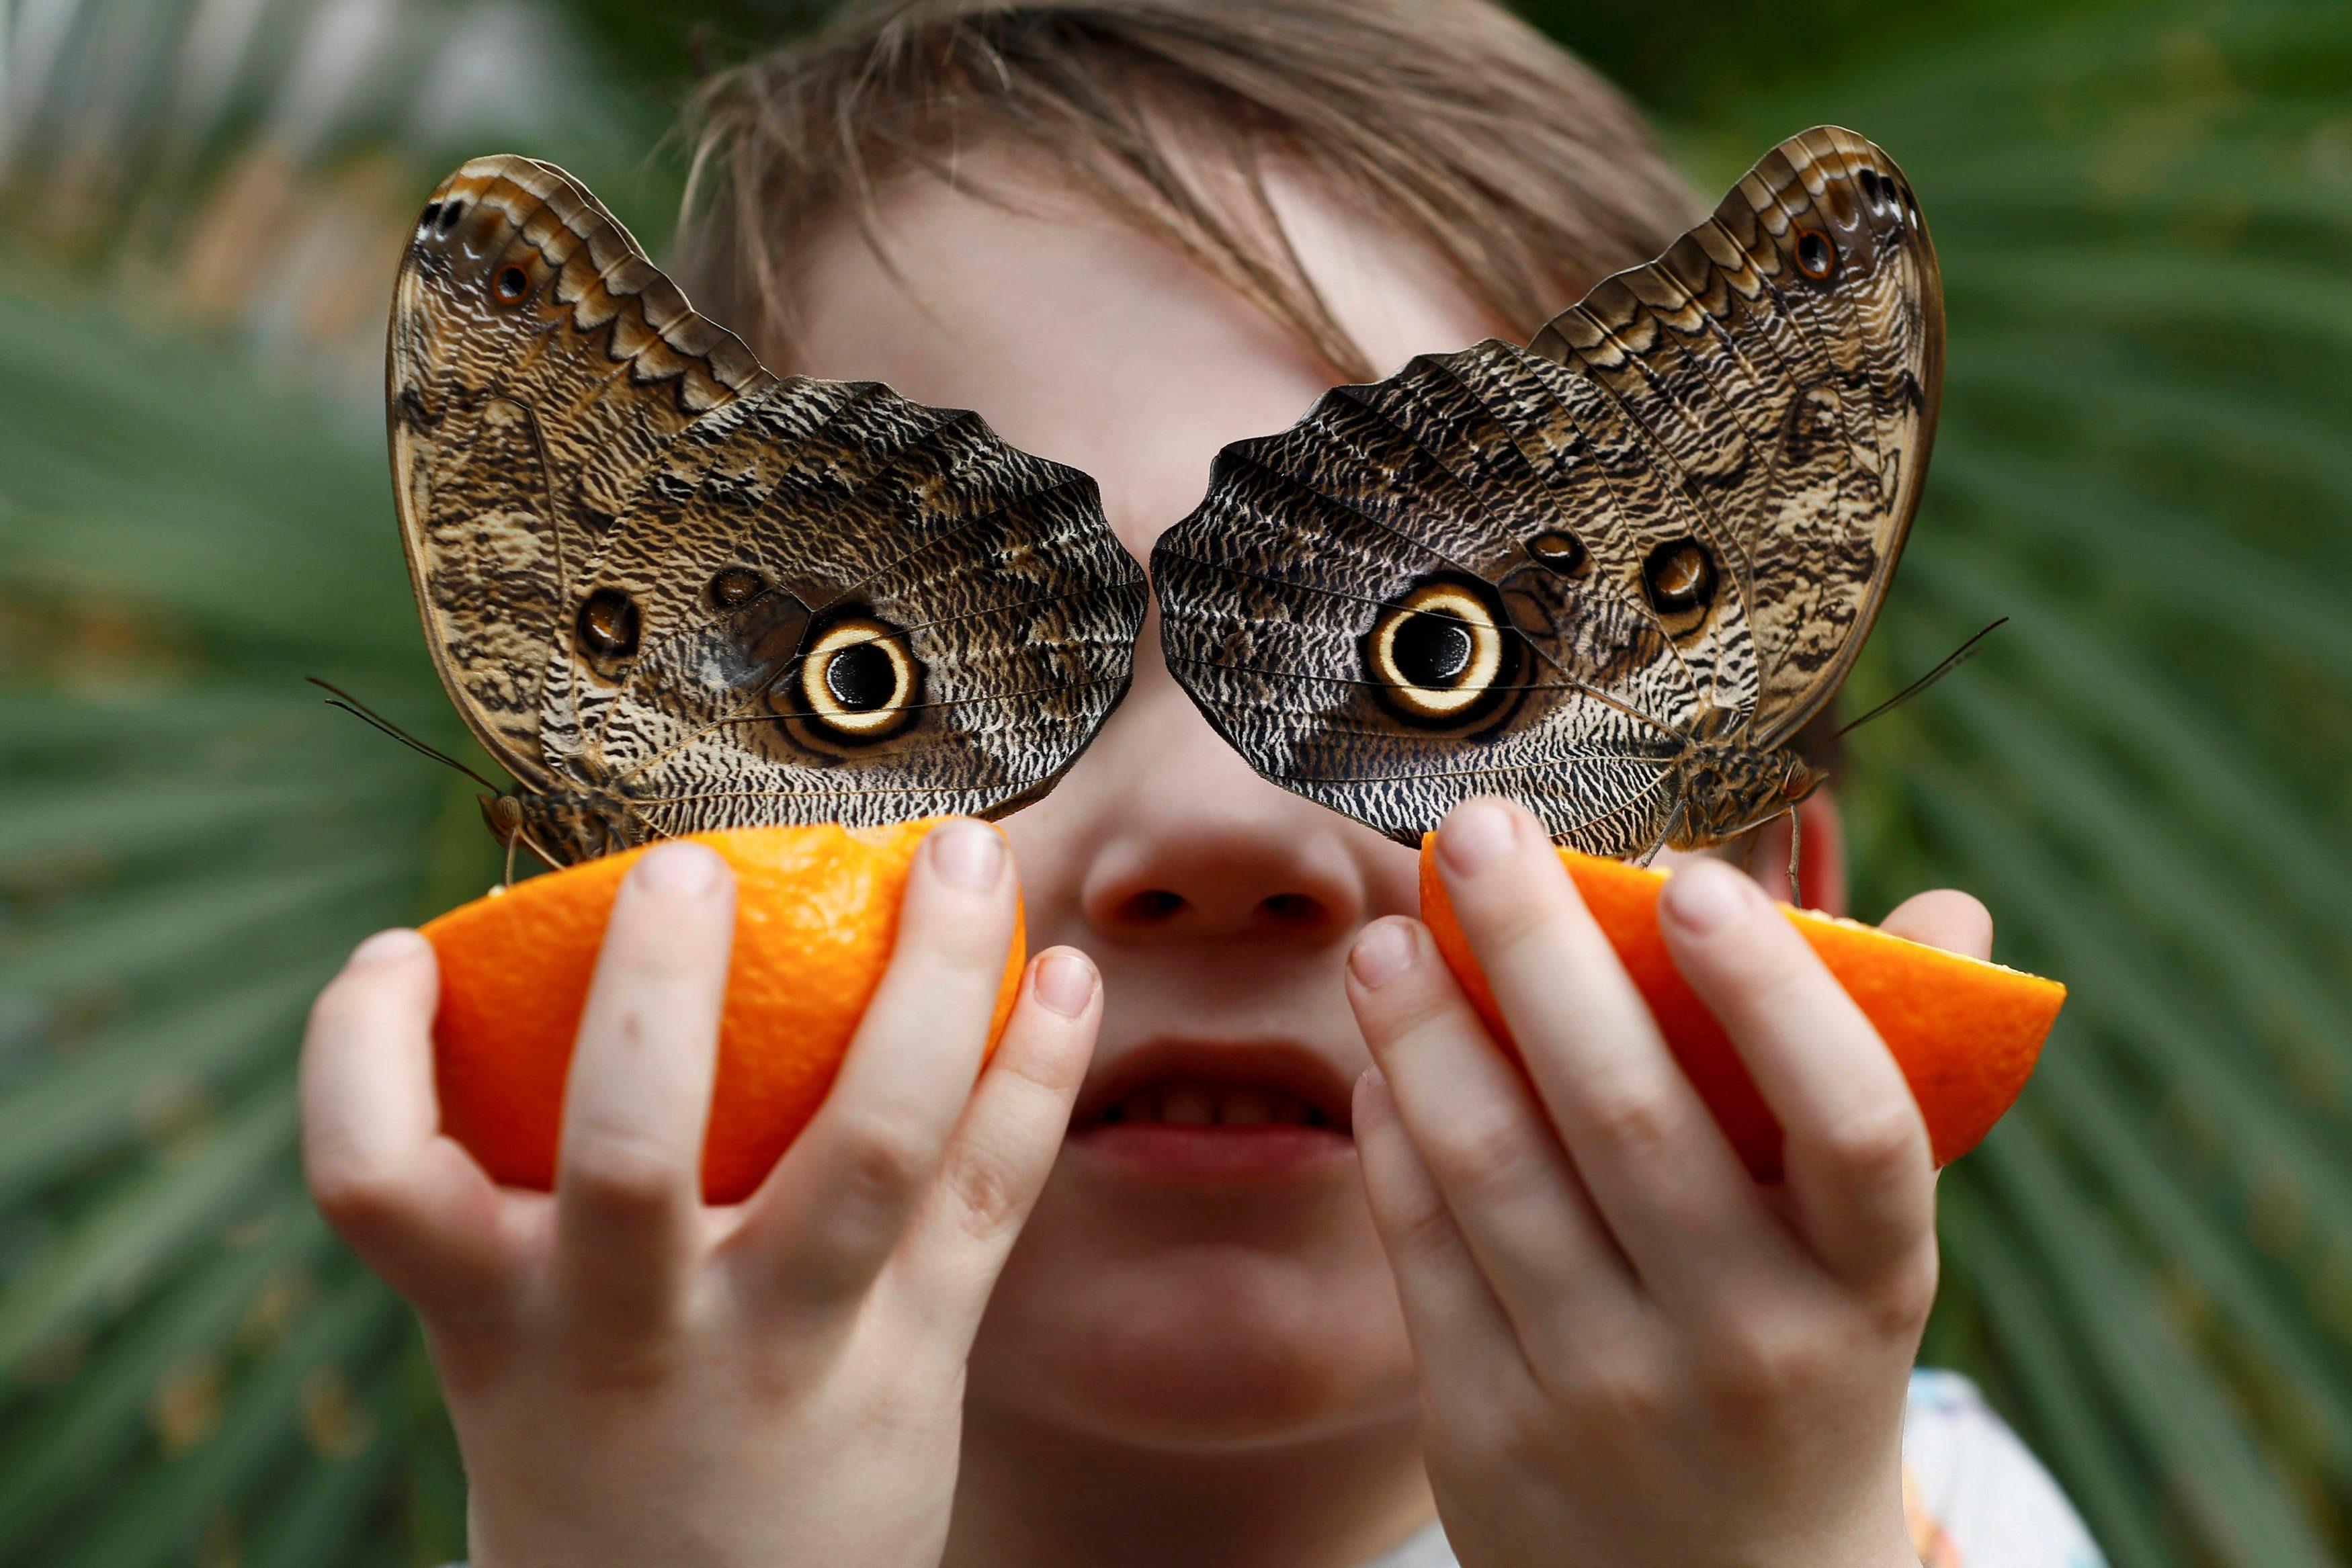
(2142,212)
(194,514)
(2142,219)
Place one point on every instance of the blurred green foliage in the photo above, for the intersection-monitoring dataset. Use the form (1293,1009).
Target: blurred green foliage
(2144,213)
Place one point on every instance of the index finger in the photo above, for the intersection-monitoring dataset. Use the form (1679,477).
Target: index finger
(1854,1146)
(1662,1174)
(833,1208)
(628,1186)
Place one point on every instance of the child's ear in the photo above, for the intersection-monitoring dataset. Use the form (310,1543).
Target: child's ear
(1820,855)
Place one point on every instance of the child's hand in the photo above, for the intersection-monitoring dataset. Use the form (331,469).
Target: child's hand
(638,1379)
(1631,1353)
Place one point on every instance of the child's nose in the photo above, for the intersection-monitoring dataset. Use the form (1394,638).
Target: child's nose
(1260,866)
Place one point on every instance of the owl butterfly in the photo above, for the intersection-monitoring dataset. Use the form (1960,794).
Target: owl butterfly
(1611,574)
(670,591)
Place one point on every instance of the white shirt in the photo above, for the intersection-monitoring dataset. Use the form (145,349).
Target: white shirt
(1977,1497)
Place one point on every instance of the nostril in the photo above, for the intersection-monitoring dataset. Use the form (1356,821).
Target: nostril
(1152,906)
(1292,909)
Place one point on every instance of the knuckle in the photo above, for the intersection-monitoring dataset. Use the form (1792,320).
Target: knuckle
(1899,1302)
(1880,1146)
(359,1202)
(976,947)
(661,962)
(1764,1369)
(1636,1121)
(1409,1013)
(896,1407)
(1527,929)
(988,1189)
(959,930)
(629,1361)
(1529,1428)
(622,1177)
(1490,1158)
(882,1157)
(1619,1392)
(1426,1231)
(1776,987)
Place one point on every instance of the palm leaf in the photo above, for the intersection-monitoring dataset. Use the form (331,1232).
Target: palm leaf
(2142,212)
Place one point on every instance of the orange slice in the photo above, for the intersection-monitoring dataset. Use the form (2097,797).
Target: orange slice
(1966,1033)
(816,913)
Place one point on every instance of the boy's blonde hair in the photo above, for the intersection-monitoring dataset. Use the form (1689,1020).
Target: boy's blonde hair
(1530,175)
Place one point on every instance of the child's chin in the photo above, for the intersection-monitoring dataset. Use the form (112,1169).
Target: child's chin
(1198,1348)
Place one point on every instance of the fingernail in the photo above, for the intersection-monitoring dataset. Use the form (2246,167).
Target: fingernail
(1706,896)
(968,854)
(682,870)
(389,947)
(1477,836)
(1384,951)
(1066,982)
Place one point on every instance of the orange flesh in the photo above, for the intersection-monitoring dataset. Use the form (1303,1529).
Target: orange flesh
(1966,1033)
(817,914)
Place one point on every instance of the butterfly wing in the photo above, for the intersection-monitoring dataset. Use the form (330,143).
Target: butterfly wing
(656,574)
(1787,357)
(843,606)
(536,358)
(1545,572)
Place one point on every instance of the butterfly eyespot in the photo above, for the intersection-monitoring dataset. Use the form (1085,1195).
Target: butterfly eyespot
(1438,654)
(450,214)
(858,681)
(861,678)
(1432,652)
(1868,180)
(607,627)
(736,586)
(1816,257)
(510,285)
(425,219)
(1679,577)
(1564,553)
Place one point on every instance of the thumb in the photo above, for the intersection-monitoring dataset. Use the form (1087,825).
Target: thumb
(1944,917)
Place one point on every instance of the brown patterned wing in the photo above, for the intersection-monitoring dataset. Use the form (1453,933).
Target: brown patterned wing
(1786,358)
(536,361)
(1548,573)
(659,579)
(828,604)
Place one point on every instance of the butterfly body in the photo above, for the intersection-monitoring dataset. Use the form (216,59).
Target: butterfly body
(567,826)
(1727,789)
(672,592)
(1612,573)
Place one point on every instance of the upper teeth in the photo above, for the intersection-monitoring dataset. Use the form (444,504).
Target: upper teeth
(1225,1105)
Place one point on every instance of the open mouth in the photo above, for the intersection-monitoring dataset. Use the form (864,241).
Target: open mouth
(1216,1110)
(1200,1104)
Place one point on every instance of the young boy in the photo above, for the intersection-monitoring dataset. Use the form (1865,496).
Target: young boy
(1305,1270)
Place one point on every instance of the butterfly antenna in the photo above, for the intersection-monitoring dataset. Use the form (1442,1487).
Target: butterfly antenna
(1952,661)
(360,710)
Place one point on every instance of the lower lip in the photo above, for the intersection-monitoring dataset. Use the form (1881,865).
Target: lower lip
(1183,1153)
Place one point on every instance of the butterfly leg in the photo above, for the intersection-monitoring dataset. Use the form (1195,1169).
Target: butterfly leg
(1660,841)
(1796,837)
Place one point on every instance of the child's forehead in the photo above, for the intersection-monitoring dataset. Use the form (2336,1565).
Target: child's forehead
(1087,341)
